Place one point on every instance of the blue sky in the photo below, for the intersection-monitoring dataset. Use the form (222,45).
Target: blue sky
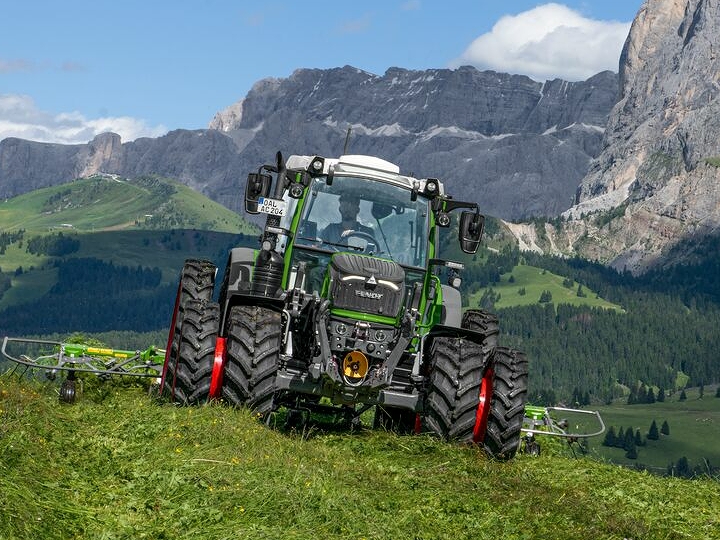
(72,69)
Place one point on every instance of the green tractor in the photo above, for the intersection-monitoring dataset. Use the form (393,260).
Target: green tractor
(342,309)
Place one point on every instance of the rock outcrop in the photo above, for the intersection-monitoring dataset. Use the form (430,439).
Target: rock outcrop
(658,175)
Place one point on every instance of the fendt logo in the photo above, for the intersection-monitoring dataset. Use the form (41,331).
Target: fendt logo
(368,294)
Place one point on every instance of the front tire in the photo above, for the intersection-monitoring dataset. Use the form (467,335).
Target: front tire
(454,388)
(253,346)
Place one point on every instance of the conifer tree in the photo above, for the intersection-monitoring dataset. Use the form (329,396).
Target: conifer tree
(653,434)
(661,395)
(665,429)
(610,437)
(620,439)
(629,441)
(683,396)
(638,438)
(631,452)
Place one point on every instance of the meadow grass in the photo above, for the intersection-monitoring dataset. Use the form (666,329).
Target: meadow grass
(119,464)
(534,281)
(693,427)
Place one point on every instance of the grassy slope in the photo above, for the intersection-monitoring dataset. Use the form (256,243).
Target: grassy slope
(693,428)
(99,203)
(535,281)
(103,212)
(119,465)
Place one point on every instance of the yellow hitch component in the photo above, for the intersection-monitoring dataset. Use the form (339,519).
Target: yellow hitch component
(355,365)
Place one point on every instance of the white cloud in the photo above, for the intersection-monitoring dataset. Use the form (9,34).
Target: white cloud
(20,117)
(547,42)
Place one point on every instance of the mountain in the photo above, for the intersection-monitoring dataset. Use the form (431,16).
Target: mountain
(204,160)
(517,146)
(655,186)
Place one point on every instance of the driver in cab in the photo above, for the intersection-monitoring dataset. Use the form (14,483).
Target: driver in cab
(338,233)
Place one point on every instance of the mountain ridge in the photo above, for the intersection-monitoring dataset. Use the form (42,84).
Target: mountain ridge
(487,135)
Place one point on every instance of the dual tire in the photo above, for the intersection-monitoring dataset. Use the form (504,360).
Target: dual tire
(477,390)
(253,347)
(197,281)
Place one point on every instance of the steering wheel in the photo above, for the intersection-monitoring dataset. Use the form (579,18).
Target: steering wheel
(361,235)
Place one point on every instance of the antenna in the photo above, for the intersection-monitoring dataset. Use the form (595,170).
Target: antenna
(347,140)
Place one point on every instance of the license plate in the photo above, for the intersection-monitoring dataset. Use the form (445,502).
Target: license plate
(274,207)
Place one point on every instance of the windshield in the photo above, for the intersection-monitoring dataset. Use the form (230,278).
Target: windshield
(365,216)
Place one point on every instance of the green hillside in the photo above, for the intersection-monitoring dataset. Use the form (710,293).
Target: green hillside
(150,222)
(107,202)
(693,432)
(119,465)
(525,284)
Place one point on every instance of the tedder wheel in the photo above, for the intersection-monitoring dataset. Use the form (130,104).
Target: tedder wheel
(196,354)
(253,347)
(507,404)
(456,373)
(197,281)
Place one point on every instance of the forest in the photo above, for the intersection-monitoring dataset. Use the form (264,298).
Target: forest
(664,339)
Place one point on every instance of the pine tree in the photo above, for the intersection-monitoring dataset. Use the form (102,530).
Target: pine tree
(653,434)
(610,437)
(629,441)
(683,467)
(683,396)
(661,395)
(717,392)
(631,452)
(650,396)
(620,439)
(638,438)
(665,429)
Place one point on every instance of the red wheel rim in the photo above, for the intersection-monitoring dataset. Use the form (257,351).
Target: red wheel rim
(483,408)
(216,378)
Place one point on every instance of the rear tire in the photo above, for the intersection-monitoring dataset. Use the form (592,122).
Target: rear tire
(484,323)
(197,352)
(197,280)
(253,347)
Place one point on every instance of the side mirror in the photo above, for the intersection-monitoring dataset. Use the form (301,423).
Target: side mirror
(258,185)
(470,232)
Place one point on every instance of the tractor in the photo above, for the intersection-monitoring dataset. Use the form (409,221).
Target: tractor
(335,313)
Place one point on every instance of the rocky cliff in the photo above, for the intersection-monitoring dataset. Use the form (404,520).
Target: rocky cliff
(656,182)
(517,146)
